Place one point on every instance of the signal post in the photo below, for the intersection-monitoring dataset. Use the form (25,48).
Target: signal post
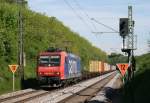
(126,29)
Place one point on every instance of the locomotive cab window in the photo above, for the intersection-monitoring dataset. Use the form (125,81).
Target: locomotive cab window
(55,60)
(52,60)
(44,60)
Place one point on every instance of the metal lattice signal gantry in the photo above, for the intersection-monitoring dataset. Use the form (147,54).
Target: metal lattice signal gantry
(131,38)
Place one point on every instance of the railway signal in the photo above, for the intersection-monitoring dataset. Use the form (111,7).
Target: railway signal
(126,27)
(123,27)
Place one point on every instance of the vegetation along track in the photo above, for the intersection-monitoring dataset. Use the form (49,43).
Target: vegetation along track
(86,94)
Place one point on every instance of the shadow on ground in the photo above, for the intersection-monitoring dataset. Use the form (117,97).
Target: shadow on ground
(111,96)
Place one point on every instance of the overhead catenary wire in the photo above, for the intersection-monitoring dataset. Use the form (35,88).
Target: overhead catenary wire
(115,31)
(85,13)
(80,17)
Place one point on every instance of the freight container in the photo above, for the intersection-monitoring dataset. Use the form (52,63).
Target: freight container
(106,67)
(113,67)
(96,66)
(93,65)
(101,66)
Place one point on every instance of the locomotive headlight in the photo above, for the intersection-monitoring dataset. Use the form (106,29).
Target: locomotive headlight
(57,73)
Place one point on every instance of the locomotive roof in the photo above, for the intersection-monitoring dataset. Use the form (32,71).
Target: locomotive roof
(59,53)
(53,53)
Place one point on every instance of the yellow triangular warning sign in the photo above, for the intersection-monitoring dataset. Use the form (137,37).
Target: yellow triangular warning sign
(13,67)
(123,68)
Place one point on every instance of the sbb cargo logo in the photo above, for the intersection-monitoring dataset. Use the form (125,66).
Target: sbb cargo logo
(72,66)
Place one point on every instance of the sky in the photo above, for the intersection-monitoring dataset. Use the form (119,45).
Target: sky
(78,14)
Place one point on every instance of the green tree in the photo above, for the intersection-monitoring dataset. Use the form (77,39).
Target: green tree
(114,58)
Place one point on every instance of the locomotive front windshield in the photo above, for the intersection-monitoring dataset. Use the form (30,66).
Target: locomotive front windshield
(53,60)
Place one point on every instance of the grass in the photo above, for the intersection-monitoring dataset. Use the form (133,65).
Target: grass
(6,86)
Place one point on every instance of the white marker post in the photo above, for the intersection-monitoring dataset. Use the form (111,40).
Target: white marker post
(13,68)
(13,81)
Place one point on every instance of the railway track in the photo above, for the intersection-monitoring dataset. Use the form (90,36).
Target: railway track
(62,95)
(85,95)
(84,90)
(15,94)
(24,96)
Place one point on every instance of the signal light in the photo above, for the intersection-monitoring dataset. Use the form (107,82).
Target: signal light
(123,27)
